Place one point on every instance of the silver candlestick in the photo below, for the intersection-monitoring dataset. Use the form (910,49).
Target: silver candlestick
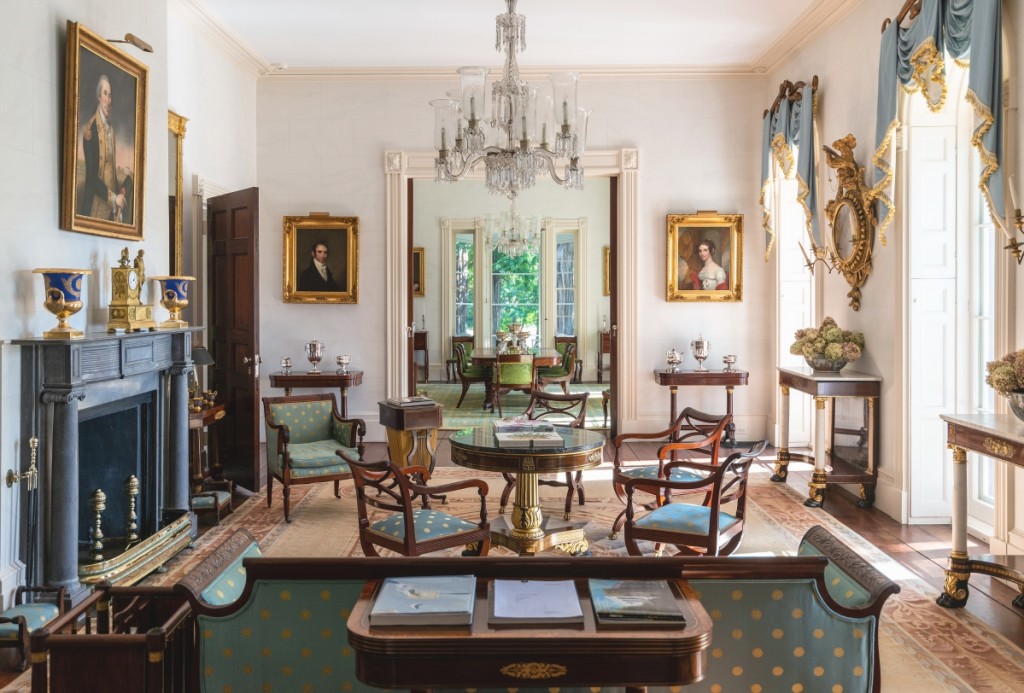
(700,348)
(314,353)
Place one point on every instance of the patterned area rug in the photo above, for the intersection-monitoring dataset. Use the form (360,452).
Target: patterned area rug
(924,647)
(472,413)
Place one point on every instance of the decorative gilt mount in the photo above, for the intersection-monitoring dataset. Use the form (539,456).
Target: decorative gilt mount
(852,218)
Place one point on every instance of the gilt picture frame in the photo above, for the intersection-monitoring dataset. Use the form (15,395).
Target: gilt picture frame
(419,272)
(704,257)
(606,264)
(321,259)
(104,165)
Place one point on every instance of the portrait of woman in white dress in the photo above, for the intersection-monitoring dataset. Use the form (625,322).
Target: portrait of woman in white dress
(711,275)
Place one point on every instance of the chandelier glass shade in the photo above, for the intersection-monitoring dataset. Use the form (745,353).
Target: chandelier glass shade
(512,234)
(530,130)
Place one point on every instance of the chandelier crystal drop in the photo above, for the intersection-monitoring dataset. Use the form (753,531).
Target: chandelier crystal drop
(511,233)
(531,129)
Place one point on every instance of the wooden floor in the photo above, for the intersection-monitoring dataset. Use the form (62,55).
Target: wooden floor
(922,549)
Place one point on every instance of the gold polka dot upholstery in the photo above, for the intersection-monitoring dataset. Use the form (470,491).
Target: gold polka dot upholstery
(308,442)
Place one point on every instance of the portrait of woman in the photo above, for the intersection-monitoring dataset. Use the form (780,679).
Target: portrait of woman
(711,275)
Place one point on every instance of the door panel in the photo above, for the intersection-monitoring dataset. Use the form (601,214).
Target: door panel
(233,229)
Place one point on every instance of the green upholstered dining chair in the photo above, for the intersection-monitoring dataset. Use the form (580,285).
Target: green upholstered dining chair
(303,434)
(561,410)
(692,431)
(17,622)
(562,373)
(512,373)
(705,529)
(468,373)
(408,530)
(561,341)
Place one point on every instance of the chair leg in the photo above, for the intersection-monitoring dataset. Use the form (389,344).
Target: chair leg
(287,493)
(270,486)
(337,488)
(510,483)
(465,389)
(575,484)
(565,386)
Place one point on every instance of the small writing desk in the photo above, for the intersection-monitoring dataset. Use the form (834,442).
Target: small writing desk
(477,448)
(197,421)
(727,379)
(412,433)
(545,656)
(604,347)
(1000,437)
(825,387)
(343,381)
(419,343)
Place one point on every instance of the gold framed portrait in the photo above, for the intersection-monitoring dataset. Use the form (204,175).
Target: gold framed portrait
(419,272)
(705,257)
(321,259)
(104,163)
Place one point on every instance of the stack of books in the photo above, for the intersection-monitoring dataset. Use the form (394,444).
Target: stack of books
(525,433)
(414,401)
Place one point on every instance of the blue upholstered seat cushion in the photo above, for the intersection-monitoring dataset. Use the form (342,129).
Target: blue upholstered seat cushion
(36,616)
(229,584)
(841,588)
(427,524)
(208,500)
(683,517)
(319,454)
(651,472)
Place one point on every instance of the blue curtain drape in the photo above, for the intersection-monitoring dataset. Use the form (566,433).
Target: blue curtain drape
(792,125)
(970,32)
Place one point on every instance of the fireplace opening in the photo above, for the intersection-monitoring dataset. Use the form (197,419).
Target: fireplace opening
(116,442)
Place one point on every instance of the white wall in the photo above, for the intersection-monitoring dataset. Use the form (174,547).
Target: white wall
(321,146)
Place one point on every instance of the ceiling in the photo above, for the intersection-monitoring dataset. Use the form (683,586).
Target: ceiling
(699,36)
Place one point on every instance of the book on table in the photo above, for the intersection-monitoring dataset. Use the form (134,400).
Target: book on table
(414,401)
(635,603)
(533,602)
(527,439)
(521,425)
(424,601)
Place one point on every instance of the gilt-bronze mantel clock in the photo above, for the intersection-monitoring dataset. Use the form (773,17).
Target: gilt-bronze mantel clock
(126,311)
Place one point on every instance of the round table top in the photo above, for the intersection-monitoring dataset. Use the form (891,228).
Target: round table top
(481,439)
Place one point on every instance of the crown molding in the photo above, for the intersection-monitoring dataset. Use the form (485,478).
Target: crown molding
(821,16)
(199,15)
(448,74)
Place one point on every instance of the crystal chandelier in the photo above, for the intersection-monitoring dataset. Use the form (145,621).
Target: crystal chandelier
(513,143)
(511,233)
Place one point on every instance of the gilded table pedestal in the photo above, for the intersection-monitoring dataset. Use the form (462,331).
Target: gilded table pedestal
(477,448)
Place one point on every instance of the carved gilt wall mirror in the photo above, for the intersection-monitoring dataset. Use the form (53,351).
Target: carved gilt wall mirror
(852,218)
(175,137)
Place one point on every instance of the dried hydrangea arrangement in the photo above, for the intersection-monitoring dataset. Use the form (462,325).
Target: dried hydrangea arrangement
(1006,376)
(828,341)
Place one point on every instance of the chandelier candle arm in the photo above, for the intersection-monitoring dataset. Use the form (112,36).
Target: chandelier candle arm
(519,114)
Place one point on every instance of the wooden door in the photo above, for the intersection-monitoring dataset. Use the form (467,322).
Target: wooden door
(613,286)
(233,332)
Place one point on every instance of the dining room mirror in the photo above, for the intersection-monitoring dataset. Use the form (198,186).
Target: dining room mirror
(851,217)
(175,139)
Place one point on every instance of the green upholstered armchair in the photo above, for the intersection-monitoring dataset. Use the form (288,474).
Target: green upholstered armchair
(707,529)
(303,435)
(407,530)
(468,373)
(22,618)
(562,373)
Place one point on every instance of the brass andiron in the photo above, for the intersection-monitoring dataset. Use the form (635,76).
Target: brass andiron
(131,487)
(31,476)
(97,503)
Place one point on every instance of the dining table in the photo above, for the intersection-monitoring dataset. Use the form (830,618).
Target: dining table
(486,357)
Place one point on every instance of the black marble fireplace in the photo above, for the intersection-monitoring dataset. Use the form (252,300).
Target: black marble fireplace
(106,408)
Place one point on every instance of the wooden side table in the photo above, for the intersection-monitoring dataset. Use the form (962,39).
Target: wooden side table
(604,347)
(197,422)
(826,388)
(342,381)
(412,433)
(419,343)
(727,379)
